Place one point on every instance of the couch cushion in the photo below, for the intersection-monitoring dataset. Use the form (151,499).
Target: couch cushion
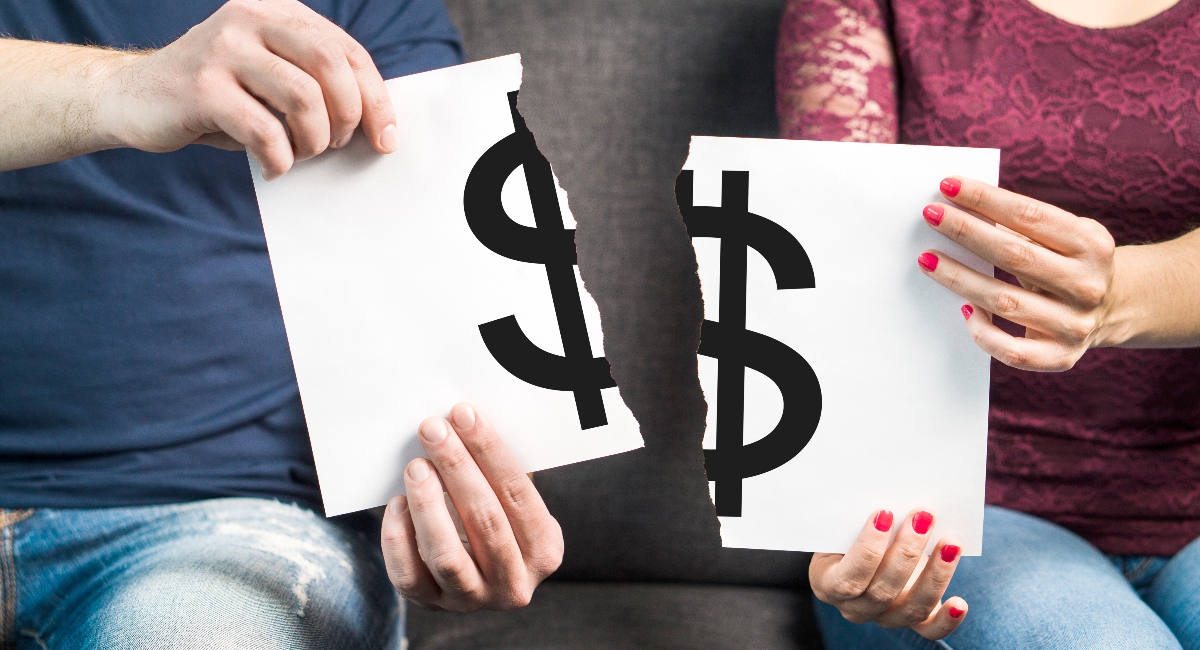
(613,616)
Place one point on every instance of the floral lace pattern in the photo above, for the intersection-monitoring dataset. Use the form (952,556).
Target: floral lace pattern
(1102,122)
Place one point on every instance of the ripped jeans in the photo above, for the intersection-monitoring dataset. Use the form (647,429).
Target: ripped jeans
(223,573)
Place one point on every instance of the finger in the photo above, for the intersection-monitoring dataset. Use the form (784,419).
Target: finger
(407,572)
(944,621)
(1017,304)
(921,600)
(354,79)
(483,519)
(250,123)
(378,112)
(320,49)
(840,578)
(1016,352)
(898,564)
(293,93)
(1002,248)
(463,587)
(537,532)
(1051,227)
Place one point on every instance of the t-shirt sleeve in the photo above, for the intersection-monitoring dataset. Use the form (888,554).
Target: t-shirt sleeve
(835,73)
(403,36)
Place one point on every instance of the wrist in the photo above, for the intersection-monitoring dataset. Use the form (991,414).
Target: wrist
(112,90)
(1120,316)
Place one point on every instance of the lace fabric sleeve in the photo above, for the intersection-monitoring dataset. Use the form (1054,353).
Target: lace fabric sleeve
(835,75)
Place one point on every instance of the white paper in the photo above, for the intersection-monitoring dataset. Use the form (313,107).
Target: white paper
(383,286)
(904,390)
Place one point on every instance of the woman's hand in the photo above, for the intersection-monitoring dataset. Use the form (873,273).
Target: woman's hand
(1065,265)
(512,542)
(892,584)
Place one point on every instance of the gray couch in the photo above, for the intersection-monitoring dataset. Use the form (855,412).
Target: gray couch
(613,89)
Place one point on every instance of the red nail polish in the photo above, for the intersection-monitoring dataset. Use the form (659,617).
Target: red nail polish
(883,521)
(950,187)
(934,214)
(967,311)
(955,612)
(921,522)
(949,552)
(928,261)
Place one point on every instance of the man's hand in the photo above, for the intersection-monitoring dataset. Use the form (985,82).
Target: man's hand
(219,84)
(512,541)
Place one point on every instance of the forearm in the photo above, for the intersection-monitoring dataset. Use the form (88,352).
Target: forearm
(1156,296)
(50,101)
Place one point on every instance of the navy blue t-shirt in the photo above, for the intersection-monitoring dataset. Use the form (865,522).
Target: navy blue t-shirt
(142,351)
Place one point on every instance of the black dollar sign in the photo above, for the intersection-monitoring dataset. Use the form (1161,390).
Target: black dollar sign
(737,348)
(550,244)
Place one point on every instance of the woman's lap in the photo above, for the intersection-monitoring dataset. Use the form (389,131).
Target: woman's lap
(1037,586)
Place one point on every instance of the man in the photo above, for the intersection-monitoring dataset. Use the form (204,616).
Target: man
(155,474)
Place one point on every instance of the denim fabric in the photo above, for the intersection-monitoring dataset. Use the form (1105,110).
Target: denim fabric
(1039,585)
(225,573)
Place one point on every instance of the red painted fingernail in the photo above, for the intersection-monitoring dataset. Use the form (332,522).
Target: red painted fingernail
(928,261)
(949,552)
(950,187)
(967,311)
(883,521)
(921,522)
(934,214)
(955,612)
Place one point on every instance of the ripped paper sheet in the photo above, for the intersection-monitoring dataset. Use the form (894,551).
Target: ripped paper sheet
(839,379)
(441,273)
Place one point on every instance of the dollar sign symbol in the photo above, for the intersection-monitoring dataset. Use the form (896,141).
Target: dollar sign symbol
(737,348)
(551,244)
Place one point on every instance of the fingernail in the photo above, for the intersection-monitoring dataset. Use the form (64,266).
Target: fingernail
(389,139)
(934,214)
(397,506)
(950,187)
(418,470)
(921,522)
(967,311)
(463,416)
(883,521)
(955,612)
(434,430)
(343,141)
(949,552)
(928,261)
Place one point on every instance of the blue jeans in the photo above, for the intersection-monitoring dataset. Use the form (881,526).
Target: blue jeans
(1039,585)
(225,573)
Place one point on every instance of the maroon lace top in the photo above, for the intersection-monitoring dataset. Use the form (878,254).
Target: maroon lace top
(1102,122)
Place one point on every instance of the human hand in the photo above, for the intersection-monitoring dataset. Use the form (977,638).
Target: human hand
(513,541)
(892,584)
(1065,265)
(219,83)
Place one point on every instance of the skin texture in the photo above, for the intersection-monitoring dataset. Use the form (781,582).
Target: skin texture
(216,85)
(511,542)
(1104,14)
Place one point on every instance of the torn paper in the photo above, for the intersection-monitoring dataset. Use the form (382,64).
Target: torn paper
(444,272)
(839,379)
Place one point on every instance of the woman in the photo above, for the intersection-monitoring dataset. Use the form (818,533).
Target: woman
(1094,469)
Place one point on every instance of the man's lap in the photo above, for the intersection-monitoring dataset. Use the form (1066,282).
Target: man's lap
(1036,586)
(225,573)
